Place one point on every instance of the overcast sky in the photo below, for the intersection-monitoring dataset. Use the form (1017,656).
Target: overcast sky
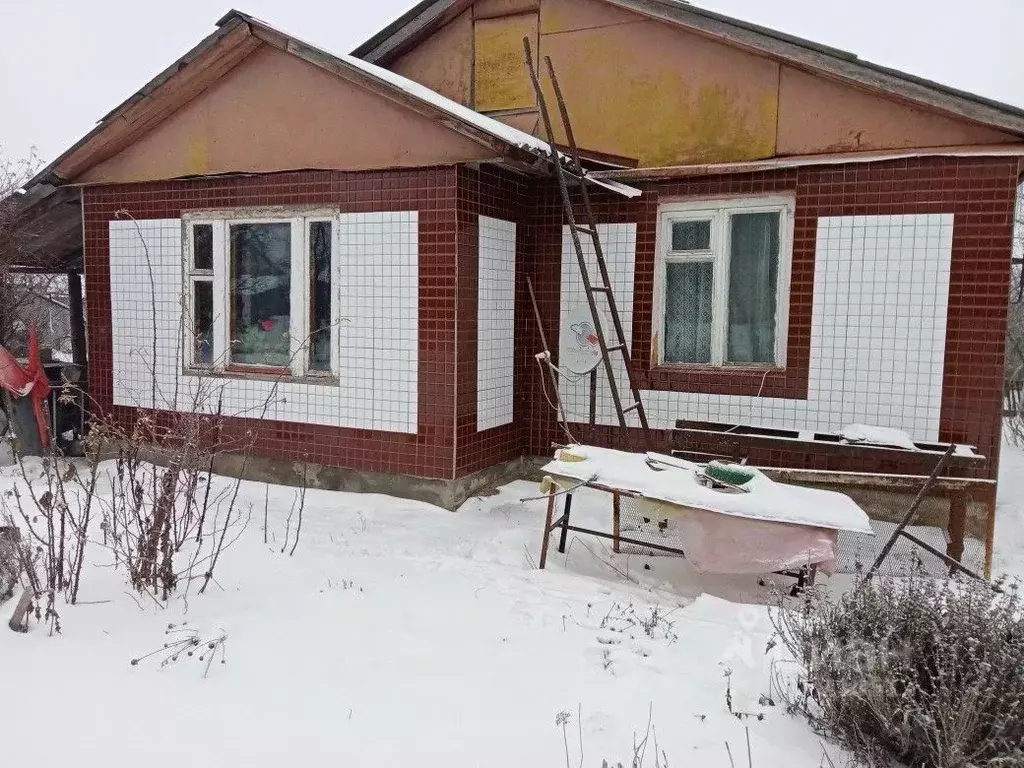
(65,63)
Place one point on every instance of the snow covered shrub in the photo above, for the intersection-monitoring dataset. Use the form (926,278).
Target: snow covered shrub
(927,672)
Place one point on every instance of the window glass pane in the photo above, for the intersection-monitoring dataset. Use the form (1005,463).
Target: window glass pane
(691,235)
(320,295)
(261,281)
(689,292)
(202,246)
(203,321)
(753,287)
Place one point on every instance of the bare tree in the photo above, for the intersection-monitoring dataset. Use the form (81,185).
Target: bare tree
(20,293)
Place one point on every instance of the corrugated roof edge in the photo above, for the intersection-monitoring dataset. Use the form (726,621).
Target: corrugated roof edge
(676,11)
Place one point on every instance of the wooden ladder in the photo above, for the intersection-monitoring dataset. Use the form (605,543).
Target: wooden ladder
(588,229)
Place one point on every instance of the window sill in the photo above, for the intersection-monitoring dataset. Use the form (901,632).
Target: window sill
(325,380)
(737,368)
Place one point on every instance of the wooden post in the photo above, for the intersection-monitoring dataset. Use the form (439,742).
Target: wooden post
(77,319)
(547,529)
(990,534)
(19,621)
(616,522)
(957,525)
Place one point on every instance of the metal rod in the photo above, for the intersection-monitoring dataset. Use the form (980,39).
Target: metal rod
(951,562)
(565,524)
(626,540)
(909,516)
(560,409)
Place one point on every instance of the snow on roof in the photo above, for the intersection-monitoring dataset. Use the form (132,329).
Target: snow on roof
(506,133)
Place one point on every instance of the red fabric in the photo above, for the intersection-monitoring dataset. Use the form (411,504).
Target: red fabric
(13,377)
(28,383)
(41,386)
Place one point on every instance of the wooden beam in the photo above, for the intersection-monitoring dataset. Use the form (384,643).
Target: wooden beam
(78,342)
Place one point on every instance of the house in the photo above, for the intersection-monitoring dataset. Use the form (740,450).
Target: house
(818,241)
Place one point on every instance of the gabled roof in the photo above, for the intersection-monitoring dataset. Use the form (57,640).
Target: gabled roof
(429,15)
(237,35)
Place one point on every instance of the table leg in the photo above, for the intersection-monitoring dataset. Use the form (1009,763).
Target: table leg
(547,530)
(565,523)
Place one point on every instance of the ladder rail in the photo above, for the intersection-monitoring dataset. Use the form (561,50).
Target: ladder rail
(598,248)
(578,245)
(575,229)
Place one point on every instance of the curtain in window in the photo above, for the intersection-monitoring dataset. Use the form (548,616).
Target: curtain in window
(261,275)
(689,297)
(753,287)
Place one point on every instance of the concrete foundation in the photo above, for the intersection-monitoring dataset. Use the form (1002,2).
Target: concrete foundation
(447,494)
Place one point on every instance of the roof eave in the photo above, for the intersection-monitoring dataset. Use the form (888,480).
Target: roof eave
(800,161)
(50,175)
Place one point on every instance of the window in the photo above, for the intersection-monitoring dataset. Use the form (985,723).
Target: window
(723,282)
(261,294)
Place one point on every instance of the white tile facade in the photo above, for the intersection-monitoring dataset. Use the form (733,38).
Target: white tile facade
(495,341)
(378,279)
(881,291)
(619,244)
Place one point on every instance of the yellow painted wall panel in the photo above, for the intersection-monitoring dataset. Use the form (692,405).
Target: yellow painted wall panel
(665,96)
(489,9)
(502,80)
(568,15)
(444,61)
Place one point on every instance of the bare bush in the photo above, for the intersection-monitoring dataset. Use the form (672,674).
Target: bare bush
(925,672)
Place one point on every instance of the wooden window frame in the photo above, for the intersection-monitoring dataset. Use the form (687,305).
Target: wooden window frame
(718,211)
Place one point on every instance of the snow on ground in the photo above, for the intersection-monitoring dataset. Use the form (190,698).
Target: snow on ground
(403,635)
(1009,540)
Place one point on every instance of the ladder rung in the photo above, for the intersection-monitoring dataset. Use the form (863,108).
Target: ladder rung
(600,289)
(617,348)
(585,230)
(633,407)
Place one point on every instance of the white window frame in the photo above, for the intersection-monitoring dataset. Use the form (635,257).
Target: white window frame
(718,210)
(301,288)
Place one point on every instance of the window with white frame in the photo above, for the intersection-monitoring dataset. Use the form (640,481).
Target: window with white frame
(261,293)
(723,282)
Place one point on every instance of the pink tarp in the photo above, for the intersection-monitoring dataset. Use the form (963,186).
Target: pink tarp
(727,544)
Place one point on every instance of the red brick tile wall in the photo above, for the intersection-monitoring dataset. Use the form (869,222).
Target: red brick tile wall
(431,192)
(501,195)
(980,192)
